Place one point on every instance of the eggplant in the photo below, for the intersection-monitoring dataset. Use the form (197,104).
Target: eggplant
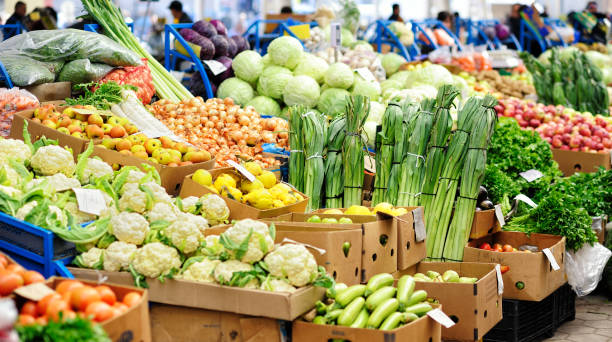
(486,205)
(483,194)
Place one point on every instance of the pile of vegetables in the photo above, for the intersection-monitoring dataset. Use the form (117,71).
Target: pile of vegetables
(360,56)
(377,305)
(448,276)
(13,276)
(12,101)
(505,85)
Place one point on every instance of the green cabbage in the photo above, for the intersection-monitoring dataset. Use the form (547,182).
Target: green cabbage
(377,110)
(286,51)
(301,90)
(265,105)
(391,84)
(401,77)
(367,88)
(248,66)
(332,101)
(266,60)
(312,66)
(273,80)
(391,62)
(237,89)
(434,75)
(339,75)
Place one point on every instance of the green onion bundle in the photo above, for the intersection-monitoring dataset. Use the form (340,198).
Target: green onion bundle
(334,171)
(402,133)
(353,151)
(314,132)
(296,142)
(413,163)
(113,22)
(384,151)
(471,178)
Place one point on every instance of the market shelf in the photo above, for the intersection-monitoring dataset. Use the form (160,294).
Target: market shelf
(477,35)
(384,36)
(260,40)
(420,27)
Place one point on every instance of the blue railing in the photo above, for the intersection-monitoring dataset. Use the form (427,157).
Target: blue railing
(529,34)
(496,43)
(254,33)
(383,35)
(420,26)
(95,27)
(18,27)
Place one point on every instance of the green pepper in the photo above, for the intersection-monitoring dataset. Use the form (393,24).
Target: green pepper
(520,285)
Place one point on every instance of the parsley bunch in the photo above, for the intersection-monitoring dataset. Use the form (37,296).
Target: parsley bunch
(71,330)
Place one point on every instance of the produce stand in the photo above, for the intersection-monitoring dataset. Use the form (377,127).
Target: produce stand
(529,35)
(384,36)
(259,40)
(495,43)
(419,27)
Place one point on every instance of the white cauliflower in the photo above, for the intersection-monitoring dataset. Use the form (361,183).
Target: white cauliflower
(184,235)
(129,227)
(213,246)
(15,149)
(133,177)
(9,190)
(79,216)
(277,285)
(199,221)
(155,259)
(201,271)
(214,209)
(225,270)
(60,214)
(133,198)
(293,262)
(260,242)
(159,193)
(90,258)
(118,256)
(12,177)
(58,181)
(25,210)
(189,204)
(162,211)
(95,169)
(52,159)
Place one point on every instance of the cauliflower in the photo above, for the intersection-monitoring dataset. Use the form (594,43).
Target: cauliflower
(58,181)
(60,215)
(95,169)
(199,221)
(129,227)
(294,262)
(214,209)
(190,204)
(225,270)
(79,216)
(118,256)
(133,177)
(90,258)
(213,246)
(184,235)
(159,193)
(52,159)
(201,271)
(260,241)
(277,285)
(12,177)
(133,198)
(25,210)
(155,259)
(15,149)
(9,190)
(162,211)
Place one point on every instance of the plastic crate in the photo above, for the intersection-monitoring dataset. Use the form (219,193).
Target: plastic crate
(524,321)
(565,305)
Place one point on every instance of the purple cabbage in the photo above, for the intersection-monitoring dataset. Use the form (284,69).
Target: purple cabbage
(189,35)
(503,31)
(232,48)
(241,43)
(207,50)
(221,45)
(196,86)
(219,26)
(204,28)
(227,62)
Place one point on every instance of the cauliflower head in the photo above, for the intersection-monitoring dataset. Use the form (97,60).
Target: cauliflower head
(129,227)
(159,193)
(52,159)
(199,221)
(95,169)
(118,256)
(225,270)
(12,177)
(14,149)
(162,211)
(155,259)
(79,216)
(190,204)
(201,271)
(90,258)
(277,285)
(133,198)
(258,235)
(133,177)
(9,190)
(213,246)
(25,210)
(59,182)
(214,209)
(184,235)
(293,262)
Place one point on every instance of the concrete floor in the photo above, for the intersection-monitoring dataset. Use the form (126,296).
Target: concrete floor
(593,322)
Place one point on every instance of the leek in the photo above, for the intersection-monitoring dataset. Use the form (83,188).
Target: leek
(314,133)
(353,151)
(334,171)
(402,133)
(296,142)
(384,151)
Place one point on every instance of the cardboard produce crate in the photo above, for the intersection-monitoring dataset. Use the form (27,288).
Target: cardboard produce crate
(475,308)
(571,162)
(531,276)
(171,323)
(239,210)
(485,223)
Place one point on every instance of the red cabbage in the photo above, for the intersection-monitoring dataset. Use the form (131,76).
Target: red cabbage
(189,35)
(219,26)
(221,45)
(207,50)
(204,28)
(197,88)
(241,43)
(227,62)
(232,48)
(503,31)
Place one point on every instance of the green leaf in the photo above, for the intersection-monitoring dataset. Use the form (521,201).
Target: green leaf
(27,138)
(323,279)
(238,250)
(149,194)
(190,262)
(152,171)
(272,230)
(139,279)
(121,177)
(82,162)
(106,240)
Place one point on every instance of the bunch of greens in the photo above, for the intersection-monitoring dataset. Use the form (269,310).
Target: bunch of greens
(103,97)
(71,330)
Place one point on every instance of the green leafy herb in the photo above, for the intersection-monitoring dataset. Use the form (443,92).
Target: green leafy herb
(71,330)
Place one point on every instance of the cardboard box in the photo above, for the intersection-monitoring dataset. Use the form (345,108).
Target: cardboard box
(171,323)
(599,227)
(475,308)
(409,250)
(57,91)
(571,162)
(485,223)
(210,296)
(171,177)
(239,210)
(423,329)
(533,270)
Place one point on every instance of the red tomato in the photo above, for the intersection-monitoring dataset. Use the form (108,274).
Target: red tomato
(9,281)
(3,261)
(99,311)
(29,308)
(508,248)
(16,269)
(121,307)
(106,294)
(30,277)
(56,307)
(83,296)
(504,269)
(26,320)
(131,299)
(67,285)
(498,248)
(41,306)
(486,246)
(42,320)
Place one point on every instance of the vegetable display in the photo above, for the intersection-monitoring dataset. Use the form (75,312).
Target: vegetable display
(72,329)
(13,276)
(353,155)
(448,276)
(12,101)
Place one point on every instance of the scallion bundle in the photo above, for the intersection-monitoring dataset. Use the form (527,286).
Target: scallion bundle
(402,133)
(334,170)
(353,151)
(392,118)
(296,142)
(314,132)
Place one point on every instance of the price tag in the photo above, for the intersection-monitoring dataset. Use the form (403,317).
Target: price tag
(90,201)
(366,74)
(215,67)
(499,215)
(500,280)
(242,170)
(335,35)
(531,175)
(551,258)
(419,224)
(34,292)
(440,317)
(526,199)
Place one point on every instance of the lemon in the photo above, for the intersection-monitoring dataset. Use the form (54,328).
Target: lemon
(231,193)
(333,211)
(213,189)
(260,199)
(248,186)
(278,204)
(224,180)
(399,211)
(298,196)
(357,210)
(202,177)
(287,199)
(279,189)
(383,206)
(267,178)
(253,168)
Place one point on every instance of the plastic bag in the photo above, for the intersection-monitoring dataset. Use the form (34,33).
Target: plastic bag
(139,76)
(83,71)
(25,71)
(584,268)
(12,101)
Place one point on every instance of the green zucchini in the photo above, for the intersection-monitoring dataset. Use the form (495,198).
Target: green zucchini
(378,281)
(382,311)
(345,297)
(392,321)
(379,296)
(350,313)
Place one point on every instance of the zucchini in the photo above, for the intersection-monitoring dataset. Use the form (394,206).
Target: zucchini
(405,288)
(378,281)
(392,321)
(410,317)
(349,314)
(419,309)
(382,311)
(333,292)
(319,320)
(333,315)
(379,296)
(417,297)
(346,296)
(362,319)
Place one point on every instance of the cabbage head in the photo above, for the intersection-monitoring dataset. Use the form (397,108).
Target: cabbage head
(391,62)
(391,84)
(266,60)
(273,80)
(434,75)
(312,66)
(301,90)
(332,101)
(339,75)
(237,89)
(248,66)
(265,105)
(401,77)
(377,110)
(367,88)
(369,128)
(286,51)
(599,59)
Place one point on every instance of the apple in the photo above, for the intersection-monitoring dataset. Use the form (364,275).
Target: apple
(77,135)
(53,116)
(180,147)
(64,121)
(176,155)
(114,121)
(134,139)
(166,142)
(123,121)
(556,142)
(152,145)
(607,143)
(131,129)
(157,152)
(37,120)
(74,128)
(138,148)
(81,117)
(565,147)
(95,119)
(107,128)
(575,141)
(63,130)
(49,123)
(117,131)
(69,112)
(94,132)
(109,143)
(164,158)
(126,152)
(140,154)
(183,163)
(123,144)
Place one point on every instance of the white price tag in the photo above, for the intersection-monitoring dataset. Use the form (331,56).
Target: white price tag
(531,175)
(366,74)
(90,201)
(526,199)
(242,170)
(500,280)
(551,258)
(440,317)
(419,224)
(215,67)
(335,35)
(499,215)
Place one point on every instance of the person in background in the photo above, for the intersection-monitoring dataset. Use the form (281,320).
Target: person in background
(514,20)
(396,14)
(286,10)
(592,8)
(180,17)
(446,18)
(17,18)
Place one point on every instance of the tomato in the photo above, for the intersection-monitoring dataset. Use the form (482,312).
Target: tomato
(120,307)
(56,307)
(486,246)
(67,285)
(16,269)
(30,277)
(498,248)
(42,320)
(99,311)
(504,269)
(69,315)
(29,308)
(508,248)
(26,320)
(106,294)
(41,306)
(9,281)
(131,299)
(83,296)
(3,261)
